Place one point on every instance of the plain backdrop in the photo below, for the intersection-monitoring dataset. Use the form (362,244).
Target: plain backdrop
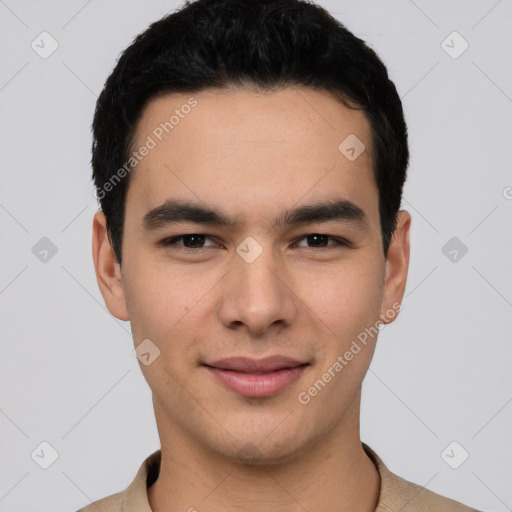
(441,373)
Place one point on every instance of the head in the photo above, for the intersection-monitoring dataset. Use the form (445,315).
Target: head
(272,133)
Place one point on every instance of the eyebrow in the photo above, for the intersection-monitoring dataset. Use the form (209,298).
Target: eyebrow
(176,211)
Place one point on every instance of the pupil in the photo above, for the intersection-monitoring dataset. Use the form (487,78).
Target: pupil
(322,238)
(195,240)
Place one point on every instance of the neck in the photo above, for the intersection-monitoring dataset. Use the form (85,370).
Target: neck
(332,474)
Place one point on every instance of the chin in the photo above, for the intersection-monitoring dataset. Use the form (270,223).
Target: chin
(254,454)
(260,449)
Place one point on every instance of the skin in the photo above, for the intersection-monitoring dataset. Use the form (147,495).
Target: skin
(254,155)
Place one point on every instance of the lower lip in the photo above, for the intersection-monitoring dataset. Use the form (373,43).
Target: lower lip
(257,384)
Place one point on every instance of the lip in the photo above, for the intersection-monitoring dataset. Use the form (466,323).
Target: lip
(248,365)
(256,377)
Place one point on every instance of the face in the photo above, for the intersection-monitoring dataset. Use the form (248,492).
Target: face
(252,265)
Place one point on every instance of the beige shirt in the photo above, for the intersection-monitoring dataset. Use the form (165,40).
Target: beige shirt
(396,494)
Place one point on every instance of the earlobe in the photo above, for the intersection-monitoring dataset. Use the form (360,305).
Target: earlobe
(108,271)
(397,266)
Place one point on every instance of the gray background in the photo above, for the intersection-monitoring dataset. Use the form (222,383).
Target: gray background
(441,372)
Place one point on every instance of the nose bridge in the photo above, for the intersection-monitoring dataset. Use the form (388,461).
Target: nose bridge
(258,296)
(260,275)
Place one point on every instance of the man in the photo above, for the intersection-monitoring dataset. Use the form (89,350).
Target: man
(249,156)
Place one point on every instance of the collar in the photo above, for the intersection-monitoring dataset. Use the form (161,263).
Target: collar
(395,493)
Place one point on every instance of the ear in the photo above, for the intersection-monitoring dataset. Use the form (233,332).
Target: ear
(397,266)
(108,270)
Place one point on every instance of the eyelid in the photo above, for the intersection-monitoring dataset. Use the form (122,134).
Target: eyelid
(171,241)
(167,241)
(340,241)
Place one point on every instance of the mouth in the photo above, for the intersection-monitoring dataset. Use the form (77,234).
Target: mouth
(256,378)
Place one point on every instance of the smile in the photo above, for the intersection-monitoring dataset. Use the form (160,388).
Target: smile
(256,378)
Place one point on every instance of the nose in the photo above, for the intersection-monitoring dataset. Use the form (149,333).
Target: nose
(258,296)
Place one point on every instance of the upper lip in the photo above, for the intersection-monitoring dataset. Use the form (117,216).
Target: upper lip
(248,365)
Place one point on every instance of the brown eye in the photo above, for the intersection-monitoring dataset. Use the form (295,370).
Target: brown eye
(321,241)
(189,241)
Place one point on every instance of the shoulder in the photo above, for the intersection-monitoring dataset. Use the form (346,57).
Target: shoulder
(413,497)
(109,504)
(396,493)
(134,497)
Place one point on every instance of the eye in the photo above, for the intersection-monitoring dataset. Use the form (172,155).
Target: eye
(194,241)
(190,242)
(320,241)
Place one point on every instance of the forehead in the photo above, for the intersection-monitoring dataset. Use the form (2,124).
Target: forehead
(252,150)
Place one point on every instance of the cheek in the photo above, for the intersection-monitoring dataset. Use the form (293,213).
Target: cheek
(167,303)
(345,297)
(346,306)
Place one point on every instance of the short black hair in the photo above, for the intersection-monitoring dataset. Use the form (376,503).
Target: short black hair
(262,44)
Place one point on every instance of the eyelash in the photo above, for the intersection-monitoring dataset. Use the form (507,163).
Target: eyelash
(171,242)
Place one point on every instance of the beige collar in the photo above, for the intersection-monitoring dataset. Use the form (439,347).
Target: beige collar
(396,494)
